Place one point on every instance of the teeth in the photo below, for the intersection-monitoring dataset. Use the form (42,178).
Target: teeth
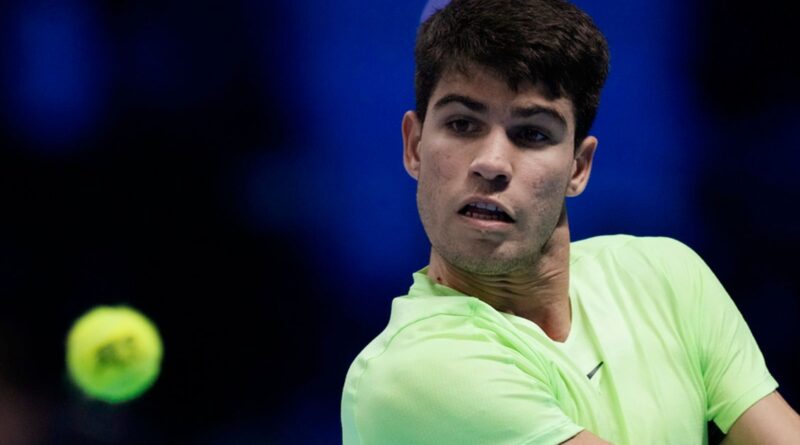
(483,205)
(482,216)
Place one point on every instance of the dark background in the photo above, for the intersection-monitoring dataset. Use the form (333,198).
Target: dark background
(233,170)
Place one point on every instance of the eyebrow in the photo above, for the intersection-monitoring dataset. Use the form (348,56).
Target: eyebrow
(522,112)
(468,102)
(533,110)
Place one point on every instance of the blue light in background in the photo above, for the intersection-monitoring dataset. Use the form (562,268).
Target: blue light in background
(353,82)
(55,73)
(648,127)
(431,7)
(354,79)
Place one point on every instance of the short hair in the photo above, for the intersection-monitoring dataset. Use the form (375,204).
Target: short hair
(550,42)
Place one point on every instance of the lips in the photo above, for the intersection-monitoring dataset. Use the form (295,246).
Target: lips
(486,211)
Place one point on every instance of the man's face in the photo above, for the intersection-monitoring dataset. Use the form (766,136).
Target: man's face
(493,167)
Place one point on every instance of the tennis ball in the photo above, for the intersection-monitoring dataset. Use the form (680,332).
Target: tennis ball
(113,353)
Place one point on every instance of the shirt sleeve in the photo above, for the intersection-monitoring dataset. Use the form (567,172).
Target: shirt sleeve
(733,369)
(455,384)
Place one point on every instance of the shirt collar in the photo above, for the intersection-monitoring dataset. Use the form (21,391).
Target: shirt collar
(424,286)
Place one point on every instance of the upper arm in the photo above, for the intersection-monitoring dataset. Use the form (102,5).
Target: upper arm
(585,438)
(769,421)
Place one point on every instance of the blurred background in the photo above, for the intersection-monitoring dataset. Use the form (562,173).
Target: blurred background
(233,170)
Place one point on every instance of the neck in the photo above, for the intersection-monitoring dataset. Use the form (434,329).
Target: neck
(539,293)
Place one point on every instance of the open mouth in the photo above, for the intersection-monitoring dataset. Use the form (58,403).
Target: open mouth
(481,210)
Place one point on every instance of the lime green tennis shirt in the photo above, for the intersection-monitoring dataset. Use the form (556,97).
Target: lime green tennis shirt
(656,349)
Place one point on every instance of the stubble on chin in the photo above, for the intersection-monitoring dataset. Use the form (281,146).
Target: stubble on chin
(493,265)
(485,257)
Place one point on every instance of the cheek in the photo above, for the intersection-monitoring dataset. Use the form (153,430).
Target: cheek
(441,164)
(549,181)
(438,171)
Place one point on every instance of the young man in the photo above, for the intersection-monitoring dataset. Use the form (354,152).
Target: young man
(513,334)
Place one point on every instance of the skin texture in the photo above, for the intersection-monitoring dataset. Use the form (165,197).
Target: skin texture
(511,148)
(585,438)
(485,142)
(770,421)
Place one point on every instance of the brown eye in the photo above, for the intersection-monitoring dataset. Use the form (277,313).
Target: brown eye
(462,126)
(529,135)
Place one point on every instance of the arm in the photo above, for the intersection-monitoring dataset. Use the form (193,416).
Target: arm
(770,421)
(585,438)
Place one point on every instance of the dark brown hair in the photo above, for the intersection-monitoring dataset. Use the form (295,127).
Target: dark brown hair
(551,42)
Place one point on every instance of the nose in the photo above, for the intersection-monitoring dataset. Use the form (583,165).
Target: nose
(492,161)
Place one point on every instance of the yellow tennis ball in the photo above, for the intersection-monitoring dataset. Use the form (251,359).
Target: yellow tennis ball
(114,353)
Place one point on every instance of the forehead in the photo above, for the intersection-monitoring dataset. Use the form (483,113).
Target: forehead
(493,90)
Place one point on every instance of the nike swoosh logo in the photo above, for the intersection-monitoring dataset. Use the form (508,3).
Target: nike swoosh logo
(594,371)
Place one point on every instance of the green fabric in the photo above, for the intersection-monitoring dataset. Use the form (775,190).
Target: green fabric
(676,353)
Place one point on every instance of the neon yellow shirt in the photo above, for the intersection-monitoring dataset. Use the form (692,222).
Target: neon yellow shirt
(675,353)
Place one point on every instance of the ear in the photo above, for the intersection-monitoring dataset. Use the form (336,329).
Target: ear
(582,166)
(412,132)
